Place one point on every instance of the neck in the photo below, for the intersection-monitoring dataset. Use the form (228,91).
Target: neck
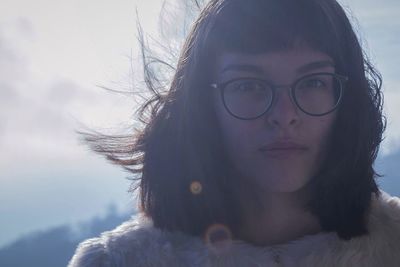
(271,218)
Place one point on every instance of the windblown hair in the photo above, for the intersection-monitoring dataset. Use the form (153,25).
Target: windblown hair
(181,142)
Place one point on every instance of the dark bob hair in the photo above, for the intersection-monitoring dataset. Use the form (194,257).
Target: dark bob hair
(182,172)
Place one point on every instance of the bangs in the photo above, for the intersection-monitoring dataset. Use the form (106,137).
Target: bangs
(259,26)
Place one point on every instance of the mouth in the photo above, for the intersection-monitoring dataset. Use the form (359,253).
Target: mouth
(282,150)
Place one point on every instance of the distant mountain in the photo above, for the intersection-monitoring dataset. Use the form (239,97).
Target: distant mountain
(55,247)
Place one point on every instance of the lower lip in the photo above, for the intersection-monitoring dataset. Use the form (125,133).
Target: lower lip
(282,153)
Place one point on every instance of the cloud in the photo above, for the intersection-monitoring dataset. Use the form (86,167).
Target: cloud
(392,109)
(8,94)
(39,114)
(25,28)
(62,92)
(12,65)
(41,158)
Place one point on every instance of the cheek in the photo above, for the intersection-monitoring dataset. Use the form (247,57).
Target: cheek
(236,134)
(321,128)
(319,134)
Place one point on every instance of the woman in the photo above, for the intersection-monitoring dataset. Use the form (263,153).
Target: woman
(261,152)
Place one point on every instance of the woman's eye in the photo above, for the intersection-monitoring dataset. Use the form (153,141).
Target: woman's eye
(315,83)
(249,86)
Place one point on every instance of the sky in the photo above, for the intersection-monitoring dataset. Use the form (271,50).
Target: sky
(55,55)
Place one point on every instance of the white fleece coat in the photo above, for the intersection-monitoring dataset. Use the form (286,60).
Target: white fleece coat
(137,243)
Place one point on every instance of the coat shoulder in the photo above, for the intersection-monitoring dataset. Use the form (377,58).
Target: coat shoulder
(137,243)
(90,253)
(109,249)
(385,215)
(380,245)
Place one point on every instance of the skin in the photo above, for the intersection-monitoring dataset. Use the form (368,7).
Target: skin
(274,186)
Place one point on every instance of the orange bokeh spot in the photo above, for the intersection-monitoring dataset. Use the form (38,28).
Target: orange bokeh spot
(196,187)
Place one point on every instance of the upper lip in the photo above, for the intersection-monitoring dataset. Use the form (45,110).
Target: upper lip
(283,145)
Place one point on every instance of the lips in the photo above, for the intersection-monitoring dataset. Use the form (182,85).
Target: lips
(282,149)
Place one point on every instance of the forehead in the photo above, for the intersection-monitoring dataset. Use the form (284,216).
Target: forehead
(300,59)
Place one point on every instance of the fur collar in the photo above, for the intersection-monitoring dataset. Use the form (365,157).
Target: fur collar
(136,243)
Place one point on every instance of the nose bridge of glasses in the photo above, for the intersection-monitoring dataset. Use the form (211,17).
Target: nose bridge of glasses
(283,109)
(282,89)
(283,86)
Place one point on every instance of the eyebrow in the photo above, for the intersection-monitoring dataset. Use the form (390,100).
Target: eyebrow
(315,65)
(259,70)
(243,67)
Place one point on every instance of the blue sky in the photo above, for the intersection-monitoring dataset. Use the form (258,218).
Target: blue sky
(52,56)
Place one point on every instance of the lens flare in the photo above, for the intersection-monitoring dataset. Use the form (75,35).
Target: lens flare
(218,238)
(196,187)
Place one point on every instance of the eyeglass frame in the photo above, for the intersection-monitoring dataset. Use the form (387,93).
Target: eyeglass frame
(341,78)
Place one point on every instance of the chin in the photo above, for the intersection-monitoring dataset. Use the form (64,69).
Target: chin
(283,183)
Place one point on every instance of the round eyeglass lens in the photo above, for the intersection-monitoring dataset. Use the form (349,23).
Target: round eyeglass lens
(247,98)
(318,94)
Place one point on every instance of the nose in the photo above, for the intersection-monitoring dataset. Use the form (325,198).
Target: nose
(283,112)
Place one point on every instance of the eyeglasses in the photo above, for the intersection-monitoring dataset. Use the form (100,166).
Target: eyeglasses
(316,94)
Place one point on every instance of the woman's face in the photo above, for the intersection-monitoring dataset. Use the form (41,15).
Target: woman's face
(283,149)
